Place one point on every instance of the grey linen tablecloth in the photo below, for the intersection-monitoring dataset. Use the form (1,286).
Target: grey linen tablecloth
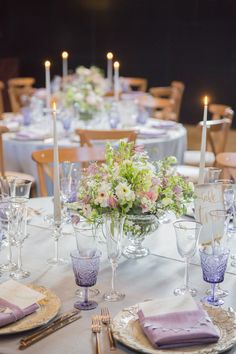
(154,276)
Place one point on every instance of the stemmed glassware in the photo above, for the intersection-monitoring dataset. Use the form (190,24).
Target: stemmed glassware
(17,216)
(187,234)
(6,241)
(85,269)
(214,262)
(69,181)
(86,241)
(113,225)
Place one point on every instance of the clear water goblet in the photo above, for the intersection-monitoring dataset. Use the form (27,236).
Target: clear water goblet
(6,240)
(56,260)
(113,229)
(86,241)
(187,235)
(213,262)
(69,179)
(219,223)
(85,269)
(17,231)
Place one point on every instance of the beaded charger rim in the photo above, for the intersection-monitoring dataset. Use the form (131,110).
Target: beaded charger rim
(49,307)
(126,329)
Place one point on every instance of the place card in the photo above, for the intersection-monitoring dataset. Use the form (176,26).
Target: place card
(208,197)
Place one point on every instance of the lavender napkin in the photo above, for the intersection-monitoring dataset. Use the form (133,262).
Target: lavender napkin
(17,301)
(12,313)
(186,324)
(31,135)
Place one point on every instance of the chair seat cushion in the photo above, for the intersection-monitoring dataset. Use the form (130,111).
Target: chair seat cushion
(192,157)
(191,172)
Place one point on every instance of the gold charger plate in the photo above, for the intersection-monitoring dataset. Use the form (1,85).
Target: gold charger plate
(49,307)
(126,329)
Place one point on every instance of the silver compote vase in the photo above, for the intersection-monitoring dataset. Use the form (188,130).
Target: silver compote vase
(136,228)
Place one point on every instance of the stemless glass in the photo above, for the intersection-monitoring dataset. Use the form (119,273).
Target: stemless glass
(214,262)
(17,231)
(85,270)
(113,224)
(187,234)
(86,241)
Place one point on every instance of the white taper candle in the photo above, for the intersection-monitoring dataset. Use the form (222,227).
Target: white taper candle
(116,80)
(56,179)
(109,70)
(47,83)
(203,143)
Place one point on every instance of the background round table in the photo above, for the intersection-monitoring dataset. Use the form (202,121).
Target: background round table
(17,153)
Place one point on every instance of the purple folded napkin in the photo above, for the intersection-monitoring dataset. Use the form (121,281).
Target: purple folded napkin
(10,313)
(176,322)
(17,301)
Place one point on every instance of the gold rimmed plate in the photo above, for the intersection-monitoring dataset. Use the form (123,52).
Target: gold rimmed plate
(126,329)
(48,309)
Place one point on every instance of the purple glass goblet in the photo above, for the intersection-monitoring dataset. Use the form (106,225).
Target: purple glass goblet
(85,267)
(214,263)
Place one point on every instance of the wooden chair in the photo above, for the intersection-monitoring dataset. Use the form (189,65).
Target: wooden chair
(44,161)
(168,100)
(227,161)
(217,134)
(135,83)
(1,98)
(4,173)
(219,111)
(87,136)
(18,87)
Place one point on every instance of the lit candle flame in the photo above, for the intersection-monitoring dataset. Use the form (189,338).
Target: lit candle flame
(47,64)
(54,106)
(109,56)
(116,65)
(64,55)
(205,100)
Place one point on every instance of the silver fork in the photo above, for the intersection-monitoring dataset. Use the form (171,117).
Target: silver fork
(96,329)
(106,319)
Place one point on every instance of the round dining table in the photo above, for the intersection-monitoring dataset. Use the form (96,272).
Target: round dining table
(154,276)
(158,144)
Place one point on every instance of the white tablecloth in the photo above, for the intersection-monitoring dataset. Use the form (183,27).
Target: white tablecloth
(17,153)
(154,276)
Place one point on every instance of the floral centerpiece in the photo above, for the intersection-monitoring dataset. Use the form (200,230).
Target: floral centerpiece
(132,186)
(129,183)
(85,91)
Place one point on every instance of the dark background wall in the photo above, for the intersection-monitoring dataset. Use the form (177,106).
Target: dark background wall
(163,40)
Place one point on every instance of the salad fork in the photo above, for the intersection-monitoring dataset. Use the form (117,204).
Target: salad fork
(96,329)
(106,319)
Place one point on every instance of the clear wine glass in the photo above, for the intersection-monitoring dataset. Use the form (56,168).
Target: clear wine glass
(85,269)
(17,231)
(213,262)
(113,225)
(86,239)
(69,180)
(20,188)
(7,241)
(187,234)
(213,174)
